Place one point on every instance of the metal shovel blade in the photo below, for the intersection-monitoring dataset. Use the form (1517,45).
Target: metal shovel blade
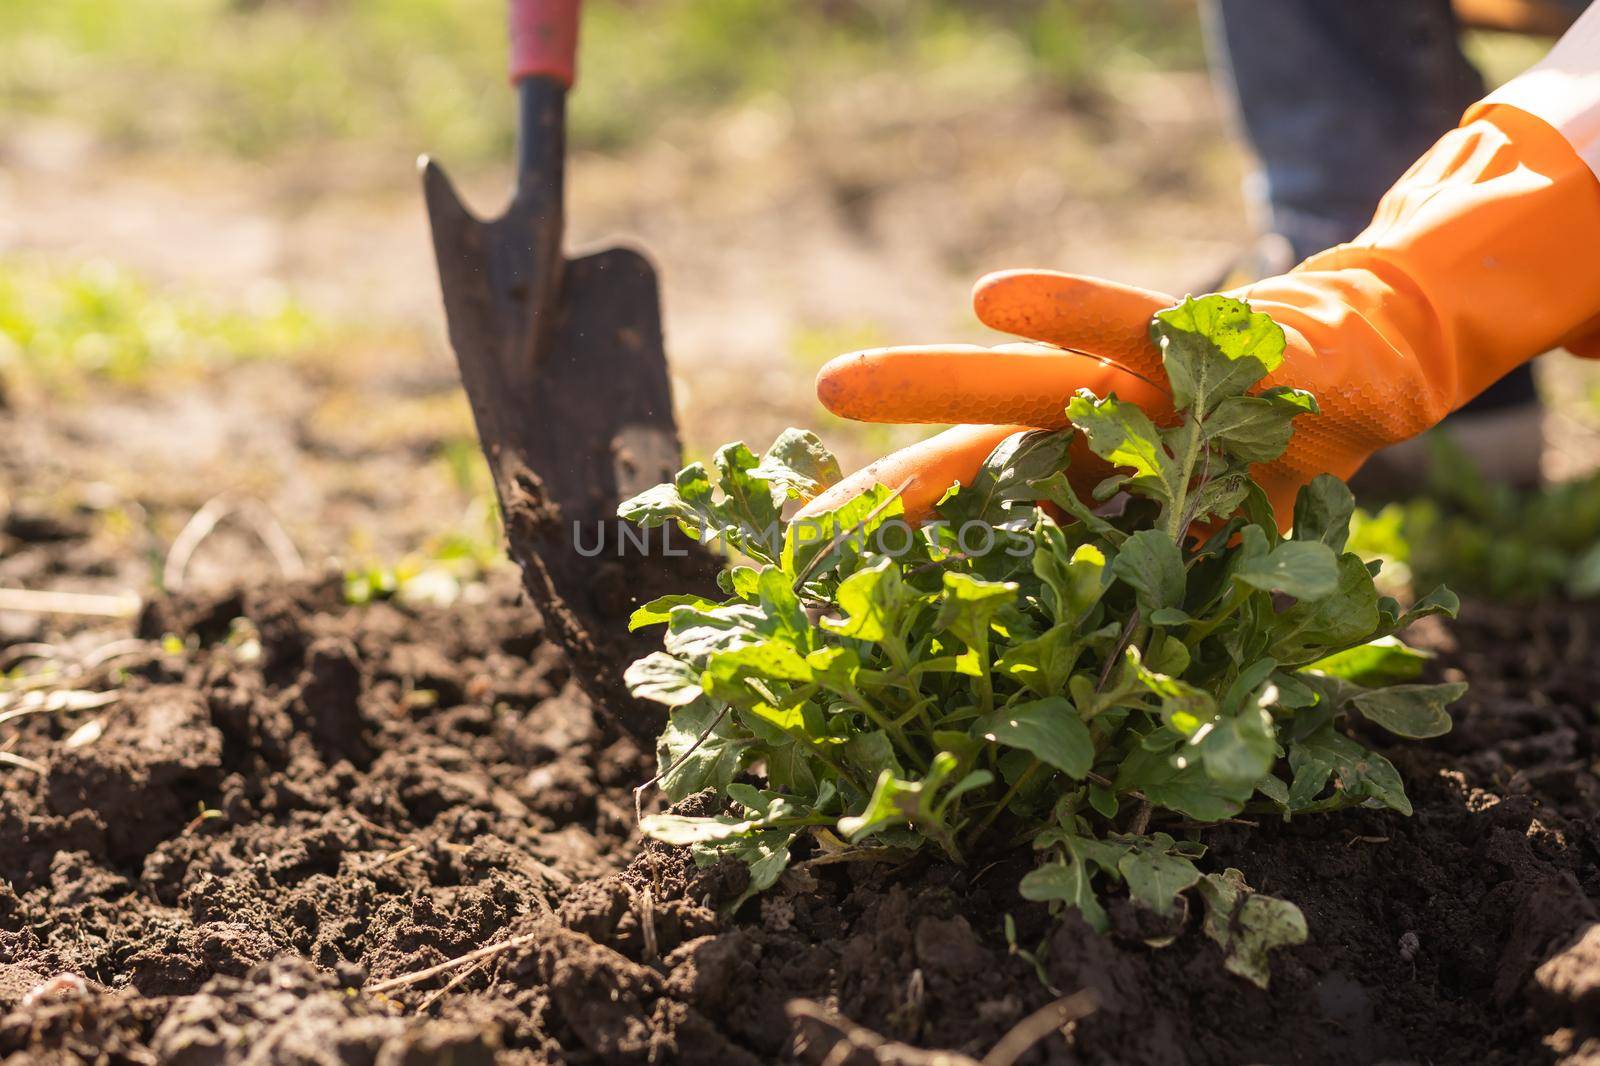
(564,366)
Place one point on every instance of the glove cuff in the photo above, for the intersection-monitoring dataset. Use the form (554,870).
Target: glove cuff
(1483,252)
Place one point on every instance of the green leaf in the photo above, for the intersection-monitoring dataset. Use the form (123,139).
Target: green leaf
(1256,429)
(1384,661)
(997,494)
(1044,664)
(1049,729)
(1155,874)
(1221,496)
(1075,576)
(661,678)
(1237,750)
(766,854)
(1274,789)
(817,544)
(1059,491)
(682,829)
(836,669)
(769,660)
(970,783)
(1215,347)
(740,581)
(1181,785)
(784,618)
(659,610)
(1168,654)
(1306,570)
(874,601)
(1184,707)
(1151,564)
(872,754)
(1322,512)
(1415,711)
(687,500)
(1248,926)
(1311,628)
(1440,601)
(893,802)
(1124,436)
(1360,774)
(1248,683)
(1257,510)
(689,763)
(799,464)
(696,633)
(751,502)
(791,766)
(970,604)
(1069,882)
(746,518)
(1293,692)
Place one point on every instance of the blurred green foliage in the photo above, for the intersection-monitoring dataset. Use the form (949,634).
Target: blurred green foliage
(256,77)
(61,327)
(446,567)
(1488,539)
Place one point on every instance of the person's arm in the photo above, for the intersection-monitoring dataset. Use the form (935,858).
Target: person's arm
(1481,257)
(1563,89)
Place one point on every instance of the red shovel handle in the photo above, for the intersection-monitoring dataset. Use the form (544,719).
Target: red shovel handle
(544,39)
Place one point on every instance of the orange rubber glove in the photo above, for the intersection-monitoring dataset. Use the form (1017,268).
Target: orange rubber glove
(1481,257)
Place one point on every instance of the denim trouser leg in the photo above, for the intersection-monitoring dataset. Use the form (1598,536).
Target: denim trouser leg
(1337,99)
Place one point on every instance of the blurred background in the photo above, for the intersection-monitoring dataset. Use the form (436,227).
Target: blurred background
(221,344)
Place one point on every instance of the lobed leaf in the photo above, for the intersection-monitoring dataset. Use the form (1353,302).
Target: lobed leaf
(1248,926)
(1215,347)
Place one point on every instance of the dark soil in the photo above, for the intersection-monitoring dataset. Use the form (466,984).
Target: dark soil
(387,789)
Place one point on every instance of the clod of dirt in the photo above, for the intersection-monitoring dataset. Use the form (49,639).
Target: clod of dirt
(159,757)
(40,527)
(289,1012)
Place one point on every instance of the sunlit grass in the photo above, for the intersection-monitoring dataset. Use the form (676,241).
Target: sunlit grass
(259,77)
(61,327)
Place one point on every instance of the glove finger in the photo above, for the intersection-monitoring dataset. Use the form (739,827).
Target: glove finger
(1103,318)
(1028,384)
(926,469)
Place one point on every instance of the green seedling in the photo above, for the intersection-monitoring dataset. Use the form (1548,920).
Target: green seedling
(1098,678)
(203,814)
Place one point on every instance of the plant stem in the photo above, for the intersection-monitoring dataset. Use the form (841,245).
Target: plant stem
(892,728)
(1005,801)
(1178,508)
(1201,629)
(1106,782)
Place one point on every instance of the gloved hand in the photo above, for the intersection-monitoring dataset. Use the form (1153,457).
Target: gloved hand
(1480,258)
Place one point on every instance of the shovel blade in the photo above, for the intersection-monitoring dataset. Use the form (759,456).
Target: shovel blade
(566,372)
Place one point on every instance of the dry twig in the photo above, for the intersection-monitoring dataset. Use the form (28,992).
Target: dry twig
(45,601)
(407,980)
(268,530)
(1040,1024)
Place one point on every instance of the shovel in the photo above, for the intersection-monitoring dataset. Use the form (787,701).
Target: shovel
(563,363)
